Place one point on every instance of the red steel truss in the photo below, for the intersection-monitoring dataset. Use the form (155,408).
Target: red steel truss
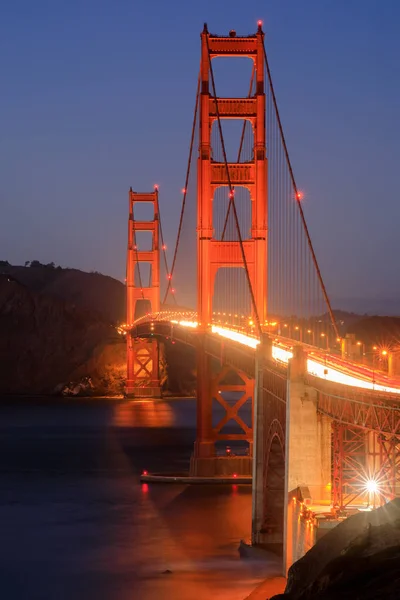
(365,446)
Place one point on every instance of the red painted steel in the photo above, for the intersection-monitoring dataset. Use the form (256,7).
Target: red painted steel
(214,254)
(365,445)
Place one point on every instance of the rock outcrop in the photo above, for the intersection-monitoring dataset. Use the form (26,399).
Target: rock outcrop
(360,558)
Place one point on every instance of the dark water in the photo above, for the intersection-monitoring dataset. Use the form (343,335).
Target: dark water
(76,523)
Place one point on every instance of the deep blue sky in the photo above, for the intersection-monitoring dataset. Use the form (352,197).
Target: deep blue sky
(97,95)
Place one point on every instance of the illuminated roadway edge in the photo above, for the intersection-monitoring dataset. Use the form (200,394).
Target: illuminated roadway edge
(323,365)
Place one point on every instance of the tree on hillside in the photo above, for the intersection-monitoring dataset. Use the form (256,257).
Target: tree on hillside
(37,263)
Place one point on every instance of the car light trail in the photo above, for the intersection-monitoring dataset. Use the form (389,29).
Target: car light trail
(235,336)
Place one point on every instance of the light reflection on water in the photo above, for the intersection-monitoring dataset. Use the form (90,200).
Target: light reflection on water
(76,523)
(144,413)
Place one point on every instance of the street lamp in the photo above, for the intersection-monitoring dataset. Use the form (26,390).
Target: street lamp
(323,335)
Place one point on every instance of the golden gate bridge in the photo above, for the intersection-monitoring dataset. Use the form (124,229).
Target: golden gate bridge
(325,430)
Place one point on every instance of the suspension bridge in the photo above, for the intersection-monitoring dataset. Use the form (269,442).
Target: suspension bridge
(245,290)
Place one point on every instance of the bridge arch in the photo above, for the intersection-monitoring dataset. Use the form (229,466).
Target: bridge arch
(274,485)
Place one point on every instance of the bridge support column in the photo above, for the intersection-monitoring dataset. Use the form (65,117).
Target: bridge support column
(308,450)
(221,394)
(394,363)
(204,445)
(143,376)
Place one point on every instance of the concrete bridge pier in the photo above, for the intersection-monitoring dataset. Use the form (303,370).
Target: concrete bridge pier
(308,455)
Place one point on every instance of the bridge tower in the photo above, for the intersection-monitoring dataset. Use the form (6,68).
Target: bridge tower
(143,377)
(213,254)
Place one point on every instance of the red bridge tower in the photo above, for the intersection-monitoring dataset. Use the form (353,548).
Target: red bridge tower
(143,377)
(214,254)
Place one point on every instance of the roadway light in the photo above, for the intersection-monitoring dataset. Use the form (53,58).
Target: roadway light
(374,347)
(358,343)
(384,352)
(322,335)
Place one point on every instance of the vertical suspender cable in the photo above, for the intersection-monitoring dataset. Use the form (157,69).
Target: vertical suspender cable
(297,197)
(185,189)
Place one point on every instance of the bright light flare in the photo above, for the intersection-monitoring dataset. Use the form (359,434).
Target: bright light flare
(372,486)
(299,195)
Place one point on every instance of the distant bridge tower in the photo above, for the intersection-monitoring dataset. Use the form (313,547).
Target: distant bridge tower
(143,377)
(214,254)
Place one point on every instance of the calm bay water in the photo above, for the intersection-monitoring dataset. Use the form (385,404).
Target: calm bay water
(76,523)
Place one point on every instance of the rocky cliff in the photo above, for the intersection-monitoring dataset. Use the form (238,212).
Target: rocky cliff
(358,559)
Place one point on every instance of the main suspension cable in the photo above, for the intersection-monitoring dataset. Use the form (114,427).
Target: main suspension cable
(185,190)
(298,197)
(231,196)
(164,251)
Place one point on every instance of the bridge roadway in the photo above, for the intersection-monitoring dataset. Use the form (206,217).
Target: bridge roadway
(236,345)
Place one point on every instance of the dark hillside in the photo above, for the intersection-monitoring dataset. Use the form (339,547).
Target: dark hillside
(46,342)
(93,291)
